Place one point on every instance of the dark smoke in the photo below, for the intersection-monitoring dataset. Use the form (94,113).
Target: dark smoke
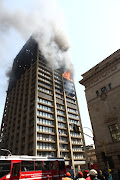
(8,72)
(46,23)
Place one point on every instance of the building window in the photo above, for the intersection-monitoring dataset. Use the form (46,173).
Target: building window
(27,166)
(110,86)
(97,93)
(115,132)
(103,90)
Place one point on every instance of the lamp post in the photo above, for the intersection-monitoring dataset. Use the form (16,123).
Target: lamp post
(103,144)
(10,154)
(89,129)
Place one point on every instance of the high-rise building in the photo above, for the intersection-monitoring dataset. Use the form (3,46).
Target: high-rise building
(40,110)
(102,89)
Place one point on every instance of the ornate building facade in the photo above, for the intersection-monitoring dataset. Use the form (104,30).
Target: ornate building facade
(102,89)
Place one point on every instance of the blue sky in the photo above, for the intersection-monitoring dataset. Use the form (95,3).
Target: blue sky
(93,28)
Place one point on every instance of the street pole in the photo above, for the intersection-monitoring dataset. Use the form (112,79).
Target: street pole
(101,142)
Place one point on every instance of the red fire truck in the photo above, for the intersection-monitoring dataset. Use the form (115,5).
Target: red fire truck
(31,167)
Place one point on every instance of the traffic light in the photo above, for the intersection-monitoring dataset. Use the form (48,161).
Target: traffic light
(76,128)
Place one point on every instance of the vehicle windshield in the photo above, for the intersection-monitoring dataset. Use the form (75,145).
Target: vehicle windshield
(5,167)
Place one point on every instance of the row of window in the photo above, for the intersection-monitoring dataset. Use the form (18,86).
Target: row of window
(60,112)
(44,84)
(43,70)
(61,125)
(57,73)
(69,89)
(69,84)
(45,154)
(44,107)
(57,77)
(45,101)
(44,114)
(64,155)
(58,90)
(45,129)
(73,121)
(62,132)
(77,156)
(59,95)
(58,81)
(47,76)
(76,141)
(46,137)
(60,118)
(60,106)
(75,134)
(71,94)
(72,110)
(44,90)
(73,115)
(44,121)
(76,148)
(48,146)
(58,86)
(71,100)
(63,139)
(63,147)
(71,127)
(44,80)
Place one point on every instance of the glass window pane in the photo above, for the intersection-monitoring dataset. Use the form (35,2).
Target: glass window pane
(27,166)
(38,165)
(47,165)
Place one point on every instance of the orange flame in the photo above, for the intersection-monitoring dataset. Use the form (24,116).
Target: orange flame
(66,75)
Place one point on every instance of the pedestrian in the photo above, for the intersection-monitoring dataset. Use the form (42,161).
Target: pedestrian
(93,174)
(118,173)
(48,177)
(80,176)
(110,175)
(100,175)
(85,173)
(67,176)
(105,173)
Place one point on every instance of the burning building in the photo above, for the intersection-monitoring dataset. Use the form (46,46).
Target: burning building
(40,110)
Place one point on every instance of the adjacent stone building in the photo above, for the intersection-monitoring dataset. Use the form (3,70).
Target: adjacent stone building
(102,89)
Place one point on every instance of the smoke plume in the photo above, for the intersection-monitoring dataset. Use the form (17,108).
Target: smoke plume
(45,21)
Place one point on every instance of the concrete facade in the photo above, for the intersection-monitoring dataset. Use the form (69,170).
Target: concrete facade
(40,110)
(102,89)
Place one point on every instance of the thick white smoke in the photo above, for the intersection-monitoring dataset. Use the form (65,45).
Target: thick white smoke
(45,21)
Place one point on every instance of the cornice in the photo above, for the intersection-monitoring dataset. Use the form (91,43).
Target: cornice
(100,72)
